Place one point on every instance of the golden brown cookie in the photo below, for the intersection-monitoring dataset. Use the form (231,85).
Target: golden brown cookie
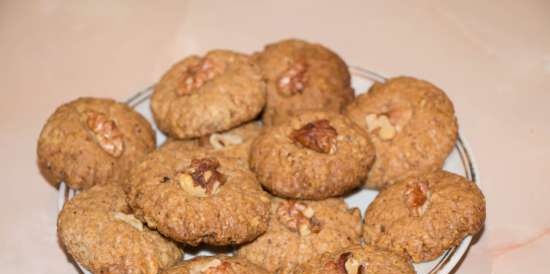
(301,230)
(302,76)
(357,260)
(99,231)
(312,156)
(412,125)
(422,216)
(203,95)
(216,265)
(92,141)
(199,196)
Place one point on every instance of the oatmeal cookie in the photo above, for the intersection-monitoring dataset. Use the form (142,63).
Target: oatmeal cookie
(357,260)
(92,141)
(198,196)
(99,231)
(412,125)
(312,156)
(203,95)
(302,76)
(422,216)
(216,265)
(301,230)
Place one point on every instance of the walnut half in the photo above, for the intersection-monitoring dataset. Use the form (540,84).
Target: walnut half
(106,133)
(293,81)
(417,197)
(202,178)
(197,75)
(319,136)
(348,265)
(298,217)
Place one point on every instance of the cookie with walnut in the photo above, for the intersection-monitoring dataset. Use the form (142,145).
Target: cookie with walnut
(357,259)
(312,156)
(92,141)
(301,230)
(99,231)
(201,95)
(412,125)
(302,76)
(422,216)
(198,196)
(219,264)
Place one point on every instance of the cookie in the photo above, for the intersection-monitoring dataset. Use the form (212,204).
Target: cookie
(412,125)
(302,76)
(312,156)
(234,143)
(199,196)
(98,230)
(216,265)
(203,95)
(422,216)
(92,141)
(357,260)
(301,230)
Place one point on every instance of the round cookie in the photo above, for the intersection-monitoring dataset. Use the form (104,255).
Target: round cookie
(301,230)
(422,216)
(357,260)
(98,230)
(92,141)
(412,125)
(216,265)
(234,143)
(203,95)
(199,196)
(312,156)
(302,76)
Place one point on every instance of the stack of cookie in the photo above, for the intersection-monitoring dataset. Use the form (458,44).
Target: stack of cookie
(261,151)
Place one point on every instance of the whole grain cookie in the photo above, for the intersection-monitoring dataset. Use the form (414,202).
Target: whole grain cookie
(302,76)
(99,231)
(422,216)
(301,230)
(92,141)
(234,143)
(312,156)
(203,95)
(216,265)
(357,260)
(199,196)
(412,125)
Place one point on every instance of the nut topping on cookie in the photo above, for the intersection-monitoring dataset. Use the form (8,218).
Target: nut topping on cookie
(214,266)
(106,133)
(196,76)
(346,264)
(417,197)
(293,80)
(298,217)
(220,141)
(202,178)
(319,136)
(129,219)
(381,124)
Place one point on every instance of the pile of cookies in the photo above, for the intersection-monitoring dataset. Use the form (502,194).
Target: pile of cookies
(261,150)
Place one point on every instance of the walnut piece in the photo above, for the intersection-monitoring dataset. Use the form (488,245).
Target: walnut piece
(298,217)
(319,136)
(380,125)
(417,197)
(348,265)
(129,219)
(215,266)
(202,178)
(293,81)
(197,75)
(220,141)
(106,133)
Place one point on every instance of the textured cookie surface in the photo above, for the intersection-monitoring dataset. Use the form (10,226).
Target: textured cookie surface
(195,196)
(422,216)
(412,125)
(216,265)
(99,231)
(301,230)
(357,260)
(312,156)
(203,95)
(302,76)
(92,141)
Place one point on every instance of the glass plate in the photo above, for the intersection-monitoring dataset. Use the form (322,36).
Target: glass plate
(459,162)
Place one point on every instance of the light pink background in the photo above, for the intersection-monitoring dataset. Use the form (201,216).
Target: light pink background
(491,57)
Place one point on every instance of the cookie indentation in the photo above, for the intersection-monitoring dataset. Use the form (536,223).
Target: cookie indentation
(202,178)
(298,217)
(319,136)
(106,133)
